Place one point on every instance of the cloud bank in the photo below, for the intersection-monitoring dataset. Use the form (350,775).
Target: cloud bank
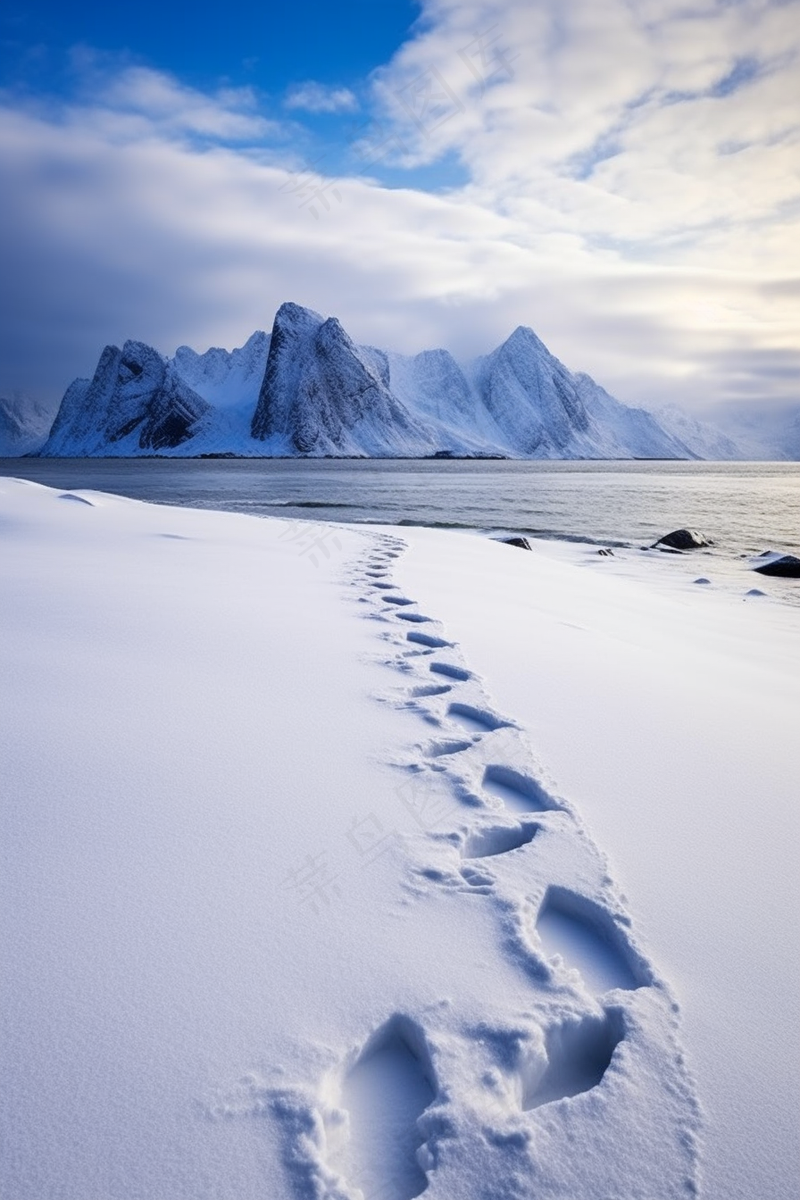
(633,194)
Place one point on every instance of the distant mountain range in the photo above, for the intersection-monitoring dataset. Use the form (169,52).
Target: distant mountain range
(309,390)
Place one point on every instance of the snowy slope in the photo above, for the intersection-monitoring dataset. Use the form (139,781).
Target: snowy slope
(308,389)
(135,403)
(432,384)
(763,431)
(323,395)
(290,906)
(670,713)
(228,379)
(704,439)
(24,425)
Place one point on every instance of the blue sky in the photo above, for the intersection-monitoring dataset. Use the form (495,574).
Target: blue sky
(623,177)
(269,45)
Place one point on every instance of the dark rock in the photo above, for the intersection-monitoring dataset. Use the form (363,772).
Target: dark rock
(682,539)
(323,395)
(134,390)
(605,553)
(522,542)
(787,566)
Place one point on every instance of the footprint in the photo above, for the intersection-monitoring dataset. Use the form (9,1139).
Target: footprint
(384,586)
(398,600)
(578,1055)
(518,792)
(439,749)
(476,718)
(385,1093)
(416,617)
(427,639)
(431,689)
(451,672)
(586,937)
(498,839)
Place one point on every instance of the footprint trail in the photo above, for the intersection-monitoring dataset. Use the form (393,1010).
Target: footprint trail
(434,1097)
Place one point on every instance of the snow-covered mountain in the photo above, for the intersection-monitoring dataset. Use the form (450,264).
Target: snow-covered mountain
(24,425)
(228,380)
(136,403)
(703,439)
(763,430)
(308,389)
(323,395)
(544,411)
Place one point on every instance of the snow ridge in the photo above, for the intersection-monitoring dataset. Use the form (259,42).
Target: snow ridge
(135,403)
(309,389)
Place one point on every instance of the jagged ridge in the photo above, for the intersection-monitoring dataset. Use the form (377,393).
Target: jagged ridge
(309,390)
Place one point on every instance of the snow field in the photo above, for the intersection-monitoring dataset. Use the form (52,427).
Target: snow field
(668,713)
(291,907)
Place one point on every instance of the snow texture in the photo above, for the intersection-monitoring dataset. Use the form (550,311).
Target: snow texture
(291,906)
(24,425)
(702,437)
(308,389)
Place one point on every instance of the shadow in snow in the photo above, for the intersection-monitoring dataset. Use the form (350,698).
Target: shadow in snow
(586,937)
(578,1055)
(385,1093)
(77,499)
(476,718)
(427,639)
(518,792)
(450,672)
(498,839)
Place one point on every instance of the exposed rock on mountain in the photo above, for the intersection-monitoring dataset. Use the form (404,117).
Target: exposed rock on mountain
(136,403)
(310,390)
(322,394)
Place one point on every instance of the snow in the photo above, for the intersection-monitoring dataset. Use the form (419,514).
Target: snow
(669,714)
(309,389)
(24,425)
(301,895)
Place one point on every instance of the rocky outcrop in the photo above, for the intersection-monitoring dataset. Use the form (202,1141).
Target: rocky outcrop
(322,394)
(682,539)
(135,403)
(786,566)
(309,389)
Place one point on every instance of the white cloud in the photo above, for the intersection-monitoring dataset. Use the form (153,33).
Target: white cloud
(651,239)
(319,98)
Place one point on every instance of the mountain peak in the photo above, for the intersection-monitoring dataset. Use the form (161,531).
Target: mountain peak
(308,389)
(295,315)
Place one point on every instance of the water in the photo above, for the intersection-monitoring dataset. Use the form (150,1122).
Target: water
(745,508)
